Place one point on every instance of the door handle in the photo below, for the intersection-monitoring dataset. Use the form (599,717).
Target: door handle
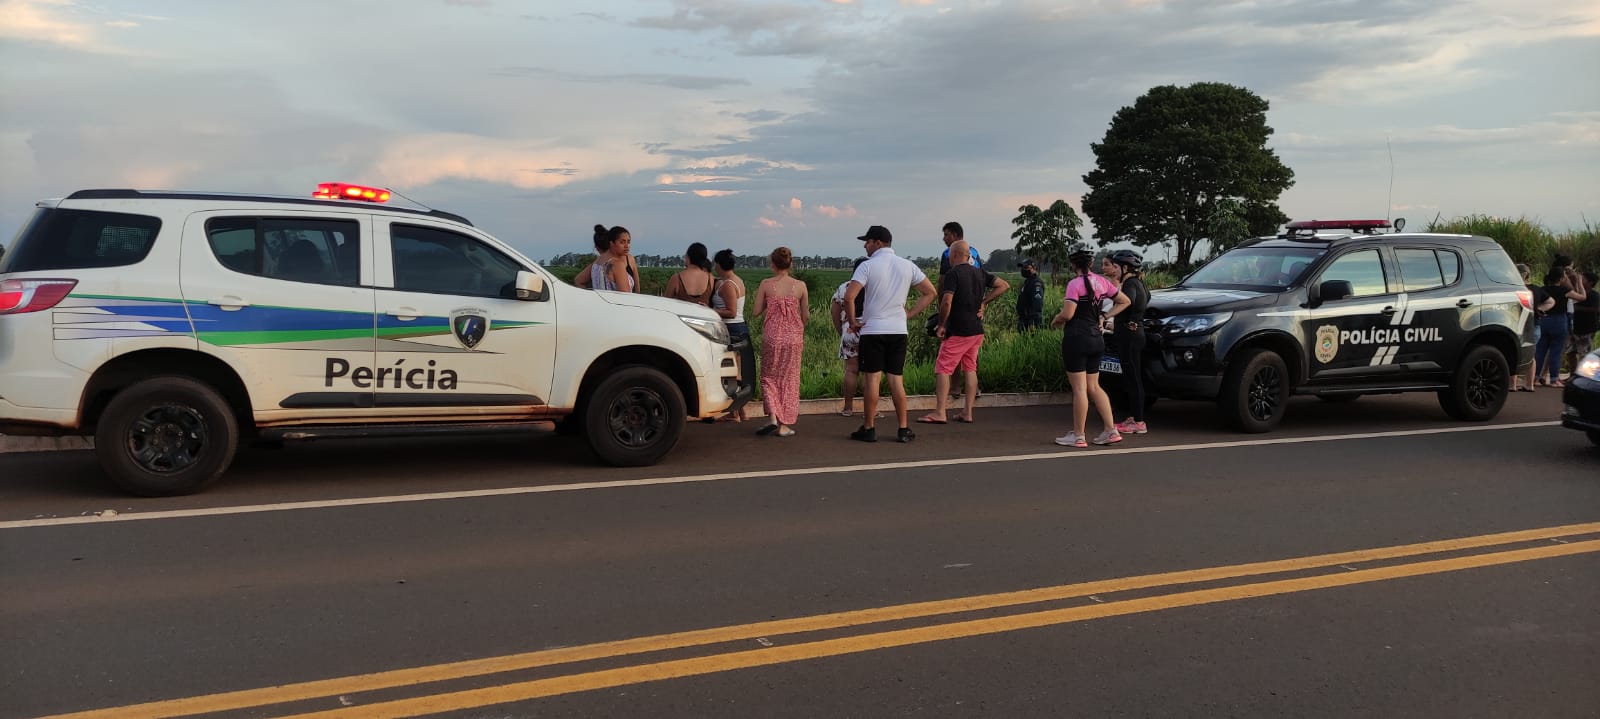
(229,303)
(1464,303)
(404,314)
(1389,310)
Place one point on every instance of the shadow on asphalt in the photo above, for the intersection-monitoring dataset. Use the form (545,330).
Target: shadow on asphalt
(36,483)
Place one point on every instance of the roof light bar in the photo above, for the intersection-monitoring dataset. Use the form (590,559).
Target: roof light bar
(345,191)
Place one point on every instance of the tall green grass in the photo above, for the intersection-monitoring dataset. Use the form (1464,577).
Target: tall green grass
(1529,242)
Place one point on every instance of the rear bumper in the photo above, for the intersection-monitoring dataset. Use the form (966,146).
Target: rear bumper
(1581,400)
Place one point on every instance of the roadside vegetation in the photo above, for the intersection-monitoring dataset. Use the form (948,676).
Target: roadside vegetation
(1528,241)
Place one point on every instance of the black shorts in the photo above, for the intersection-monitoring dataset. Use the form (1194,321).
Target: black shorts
(883,353)
(1081,353)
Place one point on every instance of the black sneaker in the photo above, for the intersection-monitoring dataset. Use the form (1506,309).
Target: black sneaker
(865,434)
(906,435)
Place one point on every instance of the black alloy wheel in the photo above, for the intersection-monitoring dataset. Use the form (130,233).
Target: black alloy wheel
(637,417)
(168,438)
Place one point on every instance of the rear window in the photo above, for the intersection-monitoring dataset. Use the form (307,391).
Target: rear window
(61,239)
(1498,267)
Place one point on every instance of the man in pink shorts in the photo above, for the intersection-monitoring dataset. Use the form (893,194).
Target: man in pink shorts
(963,293)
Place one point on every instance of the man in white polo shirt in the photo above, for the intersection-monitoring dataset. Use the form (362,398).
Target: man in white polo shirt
(887,279)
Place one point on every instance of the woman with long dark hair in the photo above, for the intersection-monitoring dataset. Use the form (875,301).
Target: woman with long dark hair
(612,269)
(694,283)
(1123,267)
(727,298)
(1082,343)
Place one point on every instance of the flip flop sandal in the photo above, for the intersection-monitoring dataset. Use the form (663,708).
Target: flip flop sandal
(930,420)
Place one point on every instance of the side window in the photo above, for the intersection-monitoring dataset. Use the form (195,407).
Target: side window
(1498,267)
(443,262)
(58,239)
(324,252)
(1419,269)
(1450,262)
(1363,269)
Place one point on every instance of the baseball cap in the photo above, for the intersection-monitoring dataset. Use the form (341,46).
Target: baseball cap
(879,233)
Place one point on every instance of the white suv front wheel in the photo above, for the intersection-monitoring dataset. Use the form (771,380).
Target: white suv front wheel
(166,436)
(634,417)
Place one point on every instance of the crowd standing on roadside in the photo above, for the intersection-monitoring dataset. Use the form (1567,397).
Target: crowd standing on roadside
(1098,311)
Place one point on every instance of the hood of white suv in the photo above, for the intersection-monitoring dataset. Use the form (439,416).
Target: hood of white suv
(665,304)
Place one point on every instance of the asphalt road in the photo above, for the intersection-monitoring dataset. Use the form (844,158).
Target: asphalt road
(980,571)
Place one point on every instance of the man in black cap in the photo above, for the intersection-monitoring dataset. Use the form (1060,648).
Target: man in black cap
(886,279)
(1030,301)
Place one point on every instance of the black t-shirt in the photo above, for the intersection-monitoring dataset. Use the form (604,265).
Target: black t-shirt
(966,285)
(1586,315)
(1030,300)
(1560,293)
(1139,299)
(1539,297)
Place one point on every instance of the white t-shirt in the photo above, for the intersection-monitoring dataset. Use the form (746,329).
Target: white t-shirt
(887,279)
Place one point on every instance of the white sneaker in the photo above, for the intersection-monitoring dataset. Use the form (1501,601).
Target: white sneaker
(1072,439)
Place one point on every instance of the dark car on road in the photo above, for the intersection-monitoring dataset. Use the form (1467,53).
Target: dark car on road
(1340,315)
(1581,398)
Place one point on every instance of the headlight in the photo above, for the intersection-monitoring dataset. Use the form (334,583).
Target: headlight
(1589,366)
(1196,324)
(713,330)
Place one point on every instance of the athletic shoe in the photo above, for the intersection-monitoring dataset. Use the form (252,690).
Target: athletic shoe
(1071,439)
(865,434)
(1129,426)
(905,435)
(1109,436)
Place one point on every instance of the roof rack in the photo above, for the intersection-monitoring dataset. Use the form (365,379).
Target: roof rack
(124,194)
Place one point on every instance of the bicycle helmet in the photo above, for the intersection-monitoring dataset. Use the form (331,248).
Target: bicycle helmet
(1128,258)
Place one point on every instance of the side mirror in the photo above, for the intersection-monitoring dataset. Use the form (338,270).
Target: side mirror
(530,286)
(1334,290)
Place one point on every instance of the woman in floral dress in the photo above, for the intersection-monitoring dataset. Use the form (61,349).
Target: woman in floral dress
(783,301)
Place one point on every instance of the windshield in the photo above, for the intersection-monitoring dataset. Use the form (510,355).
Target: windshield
(1262,269)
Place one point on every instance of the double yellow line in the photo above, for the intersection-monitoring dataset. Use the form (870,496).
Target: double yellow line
(739,658)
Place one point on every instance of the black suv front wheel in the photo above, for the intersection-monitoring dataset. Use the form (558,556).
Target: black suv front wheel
(1255,391)
(1480,386)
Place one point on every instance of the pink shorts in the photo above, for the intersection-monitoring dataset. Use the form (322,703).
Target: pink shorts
(958,351)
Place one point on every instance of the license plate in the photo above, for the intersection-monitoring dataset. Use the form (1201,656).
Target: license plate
(1111,364)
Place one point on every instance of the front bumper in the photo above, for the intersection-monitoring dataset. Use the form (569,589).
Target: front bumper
(1183,367)
(741,386)
(1582,405)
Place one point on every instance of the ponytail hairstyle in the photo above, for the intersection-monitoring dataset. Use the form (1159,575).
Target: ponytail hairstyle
(697,256)
(781,258)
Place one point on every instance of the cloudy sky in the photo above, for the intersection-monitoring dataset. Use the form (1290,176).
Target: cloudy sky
(750,124)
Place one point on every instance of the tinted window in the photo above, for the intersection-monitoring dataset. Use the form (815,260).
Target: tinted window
(1255,267)
(1362,269)
(1419,269)
(1450,262)
(430,260)
(58,239)
(1497,265)
(325,252)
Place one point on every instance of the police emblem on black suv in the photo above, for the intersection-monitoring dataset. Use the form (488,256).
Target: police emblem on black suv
(1339,316)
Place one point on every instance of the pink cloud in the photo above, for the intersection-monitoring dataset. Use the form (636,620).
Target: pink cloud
(716,193)
(796,208)
(836,212)
(769,223)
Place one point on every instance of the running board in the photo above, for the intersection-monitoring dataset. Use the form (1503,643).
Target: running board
(1372,389)
(365,431)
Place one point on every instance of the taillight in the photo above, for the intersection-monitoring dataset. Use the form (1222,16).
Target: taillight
(19,296)
(1526,298)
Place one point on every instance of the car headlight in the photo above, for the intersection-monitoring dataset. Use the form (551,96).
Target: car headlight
(1589,366)
(713,330)
(1196,324)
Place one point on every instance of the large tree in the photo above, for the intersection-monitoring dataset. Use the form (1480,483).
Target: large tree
(1167,163)
(1048,235)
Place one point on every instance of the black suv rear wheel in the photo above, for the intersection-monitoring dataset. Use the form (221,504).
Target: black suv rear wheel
(1255,392)
(1480,386)
(166,436)
(634,417)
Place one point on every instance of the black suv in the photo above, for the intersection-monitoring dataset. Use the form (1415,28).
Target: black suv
(1339,316)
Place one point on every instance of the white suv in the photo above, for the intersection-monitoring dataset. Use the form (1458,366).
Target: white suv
(171,326)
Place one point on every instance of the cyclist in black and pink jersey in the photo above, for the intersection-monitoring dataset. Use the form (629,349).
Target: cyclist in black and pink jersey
(1083,342)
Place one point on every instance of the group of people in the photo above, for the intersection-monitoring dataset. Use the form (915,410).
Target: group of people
(1566,310)
(871,315)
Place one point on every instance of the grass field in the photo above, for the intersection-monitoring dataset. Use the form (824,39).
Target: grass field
(1009,361)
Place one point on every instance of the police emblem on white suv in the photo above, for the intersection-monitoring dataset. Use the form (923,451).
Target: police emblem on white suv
(469,326)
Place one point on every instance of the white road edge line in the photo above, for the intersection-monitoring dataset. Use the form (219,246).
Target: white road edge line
(755,474)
